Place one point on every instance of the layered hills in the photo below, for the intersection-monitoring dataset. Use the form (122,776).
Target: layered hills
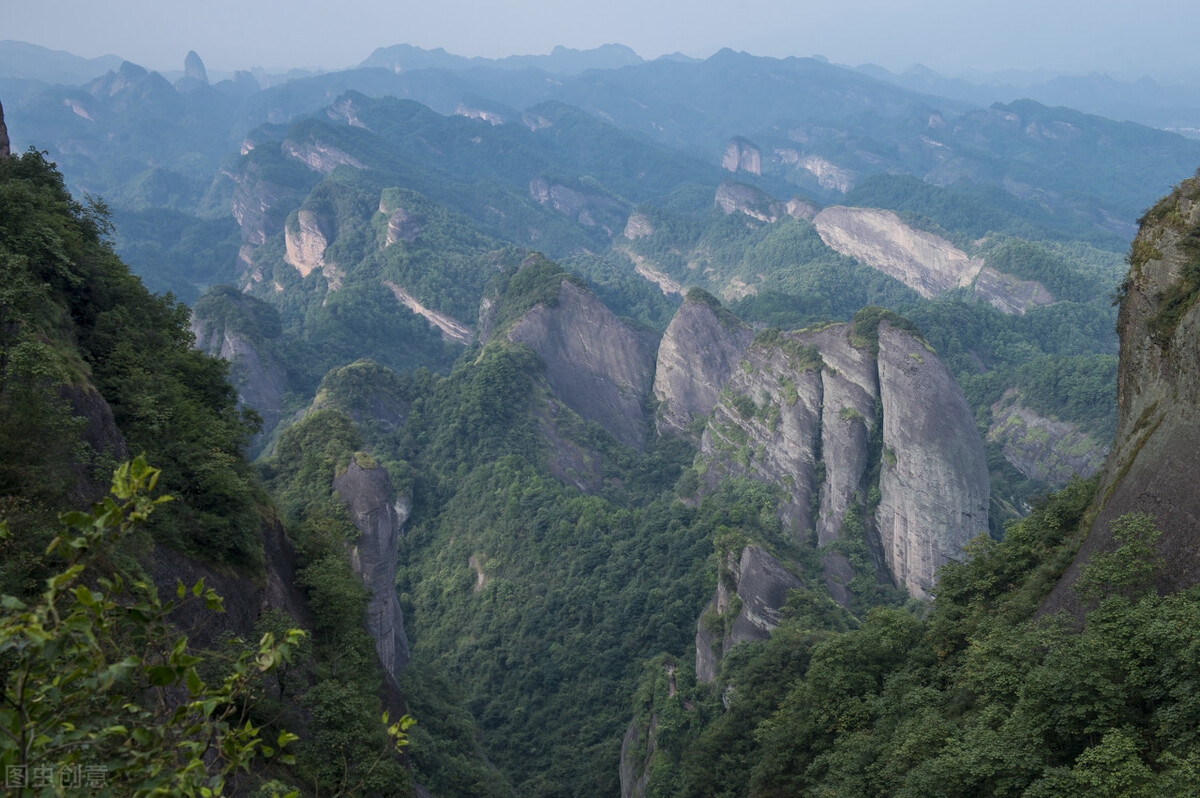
(571,405)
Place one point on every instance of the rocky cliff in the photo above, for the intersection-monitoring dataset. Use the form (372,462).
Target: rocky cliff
(4,146)
(260,206)
(934,483)
(818,413)
(925,262)
(306,237)
(591,208)
(1154,465)
(742,156)
(752,588)
(380,518)
(595,364)
(1042,448)
(259,378)
(699,352)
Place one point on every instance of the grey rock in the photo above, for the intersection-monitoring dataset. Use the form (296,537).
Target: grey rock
(367,494)
(805,404)
(633,783)
(1154,465)
(927,263)
(595,364)
(193,67)
(1009,294)
(4,146)
(734,197)
(1042,448)
(934,483)
(698,354)
(260,380)
(742,156)
(761,584)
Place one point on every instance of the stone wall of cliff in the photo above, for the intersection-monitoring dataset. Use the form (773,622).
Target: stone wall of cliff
(818,414)
(752,588)
(595,364)
(380,518)
(1154,465)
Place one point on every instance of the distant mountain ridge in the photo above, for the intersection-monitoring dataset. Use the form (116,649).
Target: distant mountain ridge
(560,61)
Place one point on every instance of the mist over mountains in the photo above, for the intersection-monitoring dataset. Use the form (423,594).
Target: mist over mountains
(653,427)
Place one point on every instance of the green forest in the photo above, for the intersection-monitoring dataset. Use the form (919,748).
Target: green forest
(276,288)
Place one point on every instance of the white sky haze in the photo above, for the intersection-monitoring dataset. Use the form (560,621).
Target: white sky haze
(953,36)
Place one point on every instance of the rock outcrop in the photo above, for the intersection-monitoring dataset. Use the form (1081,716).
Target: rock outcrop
(934,484)
(449,328)
(1009,294)
(752,588)
(927,263)
(1154,465)
(380,518)
(816,414)
(827,175)
(259,378)
(699,352)
(260,206)
(1042,448)
(595,364)
(742,156)
(4,146)
(319,156)
(402,226)
(589,208)
(306,238)
(734,197)
(193,67)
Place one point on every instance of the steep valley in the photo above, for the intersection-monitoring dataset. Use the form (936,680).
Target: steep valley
(736,446)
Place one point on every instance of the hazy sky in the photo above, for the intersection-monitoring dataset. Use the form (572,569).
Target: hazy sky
(1120,37)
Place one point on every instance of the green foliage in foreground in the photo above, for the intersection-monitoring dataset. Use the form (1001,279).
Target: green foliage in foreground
(101,692)
(979,697)
(74,320)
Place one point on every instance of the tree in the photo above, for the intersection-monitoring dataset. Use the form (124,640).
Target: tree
(100,691)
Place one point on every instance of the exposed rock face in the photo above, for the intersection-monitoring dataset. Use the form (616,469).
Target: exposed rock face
(450,329)
(633,784)
(595,364)
(402,226)
(827,174)
(589,209)
(4,146)
(1009,294)
(306,242)
(260,380)
(927,263)
(1042,448)
(934,484)
(493,118)
(698,354)
(104,442)
(193,68)
(638,226)
(734,197)
(1154,466)
(367,494)
(260,207)
(802,412)
(800,208)
(742,156)
(761,584)
(319,156)
(245,598)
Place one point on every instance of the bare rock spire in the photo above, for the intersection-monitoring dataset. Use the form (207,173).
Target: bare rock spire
(193,67)
(4,151)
